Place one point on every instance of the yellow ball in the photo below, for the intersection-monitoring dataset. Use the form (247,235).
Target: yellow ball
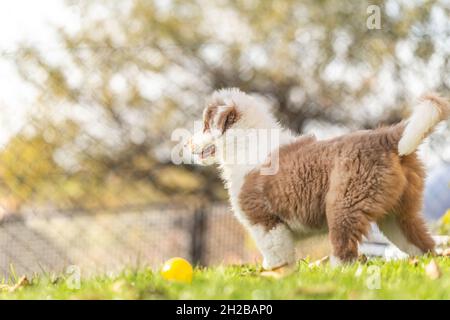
(177,269)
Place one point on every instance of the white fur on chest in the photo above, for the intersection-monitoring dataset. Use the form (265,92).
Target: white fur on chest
(235,178)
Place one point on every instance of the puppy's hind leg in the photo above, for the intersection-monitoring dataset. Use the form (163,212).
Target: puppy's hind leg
(346,222)
(390,227)
(405,226)
(354,199)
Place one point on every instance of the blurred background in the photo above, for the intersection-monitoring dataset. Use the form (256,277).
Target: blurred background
(91,91)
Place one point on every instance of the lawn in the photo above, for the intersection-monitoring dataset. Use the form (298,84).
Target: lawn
(407,279)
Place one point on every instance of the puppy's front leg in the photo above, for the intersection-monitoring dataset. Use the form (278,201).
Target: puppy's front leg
(277,248)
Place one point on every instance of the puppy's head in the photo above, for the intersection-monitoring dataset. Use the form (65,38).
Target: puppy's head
(219,116)
(228,109)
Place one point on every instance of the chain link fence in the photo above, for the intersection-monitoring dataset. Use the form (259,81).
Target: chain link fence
(127,237)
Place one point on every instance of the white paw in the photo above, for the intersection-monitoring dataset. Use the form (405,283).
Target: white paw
(335,261)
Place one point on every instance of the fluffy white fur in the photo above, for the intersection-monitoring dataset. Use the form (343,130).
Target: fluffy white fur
(425,116)
(276,245)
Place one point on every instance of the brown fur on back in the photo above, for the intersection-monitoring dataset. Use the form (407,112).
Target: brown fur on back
(365,163)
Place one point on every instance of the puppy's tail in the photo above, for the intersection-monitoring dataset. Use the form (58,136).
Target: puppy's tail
(431,110)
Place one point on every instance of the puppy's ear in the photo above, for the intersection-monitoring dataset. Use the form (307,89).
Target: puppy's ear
(227,118)
(208,114)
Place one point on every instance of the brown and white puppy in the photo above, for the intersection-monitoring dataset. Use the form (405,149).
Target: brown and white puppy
(339,185)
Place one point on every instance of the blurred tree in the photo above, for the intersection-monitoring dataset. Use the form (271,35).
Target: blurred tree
(136,70)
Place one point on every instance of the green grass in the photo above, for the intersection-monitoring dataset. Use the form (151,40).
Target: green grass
(398,280)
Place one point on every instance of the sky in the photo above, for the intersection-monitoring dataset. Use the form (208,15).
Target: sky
(31,22)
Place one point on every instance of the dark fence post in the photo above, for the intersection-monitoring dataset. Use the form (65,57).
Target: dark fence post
(198,237)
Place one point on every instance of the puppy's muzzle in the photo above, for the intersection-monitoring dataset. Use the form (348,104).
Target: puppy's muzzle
(202,145)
